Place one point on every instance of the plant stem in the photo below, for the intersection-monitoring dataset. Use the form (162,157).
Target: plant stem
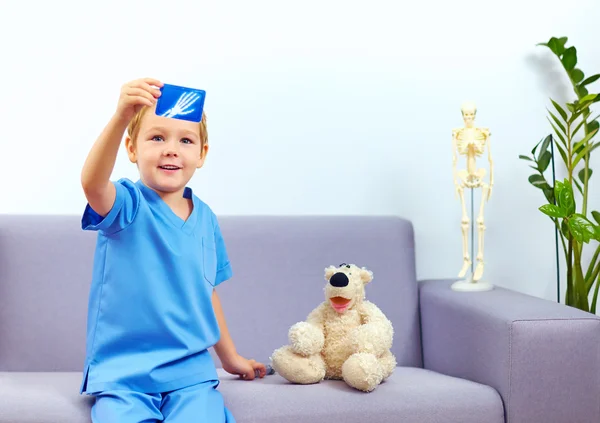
(581,294)
(587,155)
(595,297)
(585,184)
(569,154)
(562,237)
(588,275)
(569,297)
(556,228)
(585,171)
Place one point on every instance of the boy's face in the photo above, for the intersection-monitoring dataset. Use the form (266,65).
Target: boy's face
(167,152)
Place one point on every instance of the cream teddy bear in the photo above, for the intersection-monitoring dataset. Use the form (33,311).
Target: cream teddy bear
(345,337)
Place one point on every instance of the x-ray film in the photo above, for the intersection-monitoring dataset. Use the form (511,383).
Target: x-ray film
(180,103)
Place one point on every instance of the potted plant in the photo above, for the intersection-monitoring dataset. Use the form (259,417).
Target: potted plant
(573,136)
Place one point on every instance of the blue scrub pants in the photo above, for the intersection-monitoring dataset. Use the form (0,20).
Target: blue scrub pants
(196,403)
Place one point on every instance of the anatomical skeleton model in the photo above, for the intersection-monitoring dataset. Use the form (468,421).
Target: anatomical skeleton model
(471,142)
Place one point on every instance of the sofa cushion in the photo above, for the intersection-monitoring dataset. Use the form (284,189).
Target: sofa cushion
(43,397)
(410,395)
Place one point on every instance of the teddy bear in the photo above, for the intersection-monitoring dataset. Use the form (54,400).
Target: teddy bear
(345,338)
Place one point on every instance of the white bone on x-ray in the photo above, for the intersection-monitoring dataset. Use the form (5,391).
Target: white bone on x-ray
(183,103)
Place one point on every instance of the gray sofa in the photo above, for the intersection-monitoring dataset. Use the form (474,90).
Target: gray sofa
(492,357)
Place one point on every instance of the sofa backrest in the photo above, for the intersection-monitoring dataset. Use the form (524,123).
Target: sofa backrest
(278,264)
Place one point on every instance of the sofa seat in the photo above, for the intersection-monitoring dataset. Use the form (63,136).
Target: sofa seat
(411,395)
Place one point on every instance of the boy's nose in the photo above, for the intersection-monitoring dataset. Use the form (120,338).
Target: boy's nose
(170,150)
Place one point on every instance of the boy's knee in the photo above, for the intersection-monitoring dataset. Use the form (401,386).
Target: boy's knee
(202,402)
(126,406)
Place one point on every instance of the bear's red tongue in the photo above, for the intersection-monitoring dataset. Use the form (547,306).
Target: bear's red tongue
(339,304)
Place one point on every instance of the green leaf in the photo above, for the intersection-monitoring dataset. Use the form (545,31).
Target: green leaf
(537,180)
(586,113)
(582,91)
(558,122)
(564,228)
(584,104)
(577,146)
(590,125)
(576,111)
(581,175)
(544,161)
(525,158)
(582,229)
(588,97)
(577,75)
(578,127)
(557,45)
(549,194)
(593,147)
(564,196)
(578,185)
(545,144)
(552,210)
(562,112)
(562,152)
(560,135)
(596,216)
(591,79)
(535,147)
(588,149)
(569,58)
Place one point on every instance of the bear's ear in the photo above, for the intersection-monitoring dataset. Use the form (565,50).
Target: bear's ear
(329,272)
(366,275)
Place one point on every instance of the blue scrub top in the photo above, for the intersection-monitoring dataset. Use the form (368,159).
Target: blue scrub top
(150,315)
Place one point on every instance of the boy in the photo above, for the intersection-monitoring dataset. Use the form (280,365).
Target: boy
(153,309)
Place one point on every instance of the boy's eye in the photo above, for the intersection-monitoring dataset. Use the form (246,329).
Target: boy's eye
(157,138)
(186,141)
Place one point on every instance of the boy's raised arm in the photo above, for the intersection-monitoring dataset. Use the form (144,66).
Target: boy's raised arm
(95,175)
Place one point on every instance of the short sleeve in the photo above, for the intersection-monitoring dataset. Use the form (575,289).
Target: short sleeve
(121,214)
(224,271)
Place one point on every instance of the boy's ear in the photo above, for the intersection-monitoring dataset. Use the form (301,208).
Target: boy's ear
(202,158)
(130,149)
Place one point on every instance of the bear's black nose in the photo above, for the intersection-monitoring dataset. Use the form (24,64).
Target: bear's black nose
(339,280)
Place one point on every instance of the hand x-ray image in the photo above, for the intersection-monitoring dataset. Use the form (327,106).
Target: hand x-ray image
(181,103)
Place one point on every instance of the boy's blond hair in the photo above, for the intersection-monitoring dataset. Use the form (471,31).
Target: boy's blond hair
(134,126)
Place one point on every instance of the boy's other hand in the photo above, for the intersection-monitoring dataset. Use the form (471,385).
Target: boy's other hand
(136,94)
(244,368)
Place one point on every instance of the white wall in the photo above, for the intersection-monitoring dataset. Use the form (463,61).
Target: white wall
(317,107)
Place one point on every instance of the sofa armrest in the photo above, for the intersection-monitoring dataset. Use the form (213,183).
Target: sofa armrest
(542,357)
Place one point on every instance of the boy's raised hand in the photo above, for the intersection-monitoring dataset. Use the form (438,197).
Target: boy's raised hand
(136,94)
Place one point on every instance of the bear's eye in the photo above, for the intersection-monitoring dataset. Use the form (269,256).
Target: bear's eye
(348,266)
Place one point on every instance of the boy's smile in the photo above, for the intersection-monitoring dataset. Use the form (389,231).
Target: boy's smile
(167,152)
